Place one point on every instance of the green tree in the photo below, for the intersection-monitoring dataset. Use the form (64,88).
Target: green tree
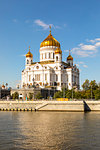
(86,85)
(58,94)
(88,94)
(69,94)
(15,95)
(30,96)
(83,94)
(38,96)
(97,94)
(78,95)
(93,85)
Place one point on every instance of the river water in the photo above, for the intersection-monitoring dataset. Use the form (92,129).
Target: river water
(49,131)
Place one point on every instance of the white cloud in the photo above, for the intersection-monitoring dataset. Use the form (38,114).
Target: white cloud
(97,44)
(57,27)
(87,50)
(85,66)
(23,55)
(44,25)
(27,21)
(92,41)
(15,20)
(97,39)
(81,64)
(66,50)
(88,47)
(65,25)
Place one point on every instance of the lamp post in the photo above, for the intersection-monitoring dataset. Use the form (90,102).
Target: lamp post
(63,91)
(33,88)
(91,92)
(72,93)
(72,90)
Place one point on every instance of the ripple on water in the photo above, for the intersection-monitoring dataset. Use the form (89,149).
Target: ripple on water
(49,130)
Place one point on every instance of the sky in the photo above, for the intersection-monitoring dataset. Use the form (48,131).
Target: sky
(75,24)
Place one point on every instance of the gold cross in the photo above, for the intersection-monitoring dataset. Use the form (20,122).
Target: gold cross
(29,48)
(50,28)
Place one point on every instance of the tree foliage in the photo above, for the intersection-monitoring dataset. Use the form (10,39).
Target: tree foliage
(86,85)
(15,95)
(30,96)
(91,90)
(38,96)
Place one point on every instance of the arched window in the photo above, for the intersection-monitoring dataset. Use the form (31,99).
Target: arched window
(53,55)
(42,56)
(49,55)
(56,58)
(56,77)
(45,55)
(27,61)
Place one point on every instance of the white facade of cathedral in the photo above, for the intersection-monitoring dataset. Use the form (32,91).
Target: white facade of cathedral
(50,71)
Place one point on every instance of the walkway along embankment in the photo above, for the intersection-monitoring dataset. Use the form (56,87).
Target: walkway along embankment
(40,105)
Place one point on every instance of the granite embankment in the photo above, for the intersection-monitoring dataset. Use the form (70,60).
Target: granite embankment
(50,105)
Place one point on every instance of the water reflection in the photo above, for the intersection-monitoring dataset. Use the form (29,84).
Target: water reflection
(49,130)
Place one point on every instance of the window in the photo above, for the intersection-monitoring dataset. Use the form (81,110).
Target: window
(53,55)
(45,55)
(27,61)
(56,77)
(37,77)
(61,77)
(50,77)
(49,55)
(42,56)
(31,61)
(56,58)
(46,77)
(29,78)
(37,67)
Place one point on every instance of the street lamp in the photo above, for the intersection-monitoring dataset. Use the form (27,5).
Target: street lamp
(72,90)
(91,92)
(33,87)
(63,91)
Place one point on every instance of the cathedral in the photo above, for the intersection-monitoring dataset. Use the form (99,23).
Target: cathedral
(50,71)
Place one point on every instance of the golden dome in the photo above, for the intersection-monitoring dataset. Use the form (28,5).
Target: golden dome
(3,86)
(29,54)
(50,41)
(69,57)
(58,51)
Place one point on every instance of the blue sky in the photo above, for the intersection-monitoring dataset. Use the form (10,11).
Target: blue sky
(24,23)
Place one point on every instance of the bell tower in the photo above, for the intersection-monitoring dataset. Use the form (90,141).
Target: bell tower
(58,55)
(70,60)
(29,58)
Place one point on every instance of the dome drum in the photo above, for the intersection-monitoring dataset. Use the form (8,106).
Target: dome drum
(58,51)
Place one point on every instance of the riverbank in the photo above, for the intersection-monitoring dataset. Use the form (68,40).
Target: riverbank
(43,105)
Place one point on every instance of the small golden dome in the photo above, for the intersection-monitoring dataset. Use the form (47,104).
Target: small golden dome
(69,57)
(50,41)
(3,86)
(58,51)
(29,54)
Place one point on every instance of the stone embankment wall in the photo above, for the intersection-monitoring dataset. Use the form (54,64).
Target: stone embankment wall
(50,105)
